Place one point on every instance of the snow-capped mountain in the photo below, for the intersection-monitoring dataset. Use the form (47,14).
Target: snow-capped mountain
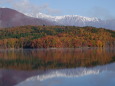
(12,18)
(58,18)
(75,20)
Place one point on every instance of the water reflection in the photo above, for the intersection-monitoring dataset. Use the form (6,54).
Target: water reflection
(57,67)
(13,77)
(96,76)
(55,58)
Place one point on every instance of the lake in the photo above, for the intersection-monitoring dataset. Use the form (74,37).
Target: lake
(57,67)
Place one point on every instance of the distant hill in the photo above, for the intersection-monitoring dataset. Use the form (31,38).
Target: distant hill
(12,18)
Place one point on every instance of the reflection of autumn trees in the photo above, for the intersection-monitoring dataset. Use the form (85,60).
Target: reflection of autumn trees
(56,36)
(55,58)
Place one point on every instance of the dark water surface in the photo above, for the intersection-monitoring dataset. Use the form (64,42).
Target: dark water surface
(57,67)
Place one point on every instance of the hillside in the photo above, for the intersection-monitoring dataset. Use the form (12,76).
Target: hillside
(56,36)
(13,18)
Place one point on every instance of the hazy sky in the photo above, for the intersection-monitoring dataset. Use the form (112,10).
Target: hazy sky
(90,8)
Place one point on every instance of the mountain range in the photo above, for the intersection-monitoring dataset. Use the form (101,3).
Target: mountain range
(76,20)
(12,18)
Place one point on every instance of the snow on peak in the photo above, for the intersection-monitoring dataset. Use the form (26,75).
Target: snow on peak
(57,18)
(71,20)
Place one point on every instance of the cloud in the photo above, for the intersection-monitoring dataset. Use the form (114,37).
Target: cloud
(100,12)
(26,6)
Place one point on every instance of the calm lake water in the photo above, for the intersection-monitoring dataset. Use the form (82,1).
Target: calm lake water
(58,67)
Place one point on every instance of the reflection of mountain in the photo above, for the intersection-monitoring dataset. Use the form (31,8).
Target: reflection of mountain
(55,58)
(12,77)
(68,73)
(65,73)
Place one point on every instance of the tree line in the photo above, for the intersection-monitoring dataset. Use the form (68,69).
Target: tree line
(56,37)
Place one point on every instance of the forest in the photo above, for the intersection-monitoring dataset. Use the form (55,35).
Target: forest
(55,37)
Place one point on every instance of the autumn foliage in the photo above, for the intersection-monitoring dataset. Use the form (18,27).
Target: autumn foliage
(56,37)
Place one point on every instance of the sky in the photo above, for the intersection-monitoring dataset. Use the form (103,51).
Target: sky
(103,9)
